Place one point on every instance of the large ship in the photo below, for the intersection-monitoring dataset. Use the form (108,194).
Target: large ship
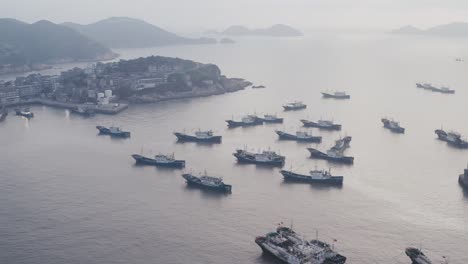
(250,120)
(331,155)
(417,256)
(199,136)
(321,124)
(315,176)
(452,138)
(271,119)
(25,112)
(207,182)
(393,126)
(289,247)
(336,95)
(159,160)
(463,178)
(342,144)
(113,131)
(299,136)
(296,105)
(265,157)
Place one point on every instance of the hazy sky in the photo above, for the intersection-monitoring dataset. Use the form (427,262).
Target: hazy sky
(216,14)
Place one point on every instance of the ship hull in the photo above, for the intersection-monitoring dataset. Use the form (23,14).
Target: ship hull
(272,121)
(398,130)
(287,136)
(320,155)
(232,123)
(28,115)
(294,177)
(139,159)
(250,160)
(293,108)
(193,182)
(188,138)
(316,125)
(106,131)
(332,96)
(458,143)
(463,180)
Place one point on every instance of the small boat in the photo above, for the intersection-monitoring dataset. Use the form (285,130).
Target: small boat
(271,119)
(452,138)
(258,86)
(417,256)
(463,179)
(296,105)
(393,125)
(264,158)
(87,112)
(342,144)
(321,124)
(207,182)
(315,176)
(250,120)
(299,136)
(430,87)
(3,114)
(331,155)
(200,136)
(336,95)
(160,160)
(25,112)
(113,131)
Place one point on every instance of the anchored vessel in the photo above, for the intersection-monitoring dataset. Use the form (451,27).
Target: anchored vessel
(160,160)
(430,87)
(463,178)
(315,176)
(330,155)
(296,105)
(3,114)
(417,256)
(200,136)
(322,124)
(299,136)
(207,182)
(452,138)
(342,144)
(83,111)
(258,86)
(250,120)
(393,126)
(336,95)
(113,131)
(271,119)
(265,157)
(25,112)
(288,246)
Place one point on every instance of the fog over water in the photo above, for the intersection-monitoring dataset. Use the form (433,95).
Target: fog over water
(71,196)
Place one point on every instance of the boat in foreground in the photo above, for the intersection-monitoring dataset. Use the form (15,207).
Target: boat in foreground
(336,95)
(296,105)
(393,126)
(290,247)
(207,182)
(315,176)
(265,157)
(199,136)
(25,112)
(250,120)
(113,131)
(299,136)
(159,160)
(321,124)
(330,155)
(417,256)
(452,138)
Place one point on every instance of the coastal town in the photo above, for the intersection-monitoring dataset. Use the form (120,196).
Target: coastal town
(110,87)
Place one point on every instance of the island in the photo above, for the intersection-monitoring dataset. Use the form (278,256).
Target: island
(458,29)
(110,87)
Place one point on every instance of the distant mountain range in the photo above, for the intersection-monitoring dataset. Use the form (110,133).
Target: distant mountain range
(124,32)
(278,30)
(458,29)
(46,42)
